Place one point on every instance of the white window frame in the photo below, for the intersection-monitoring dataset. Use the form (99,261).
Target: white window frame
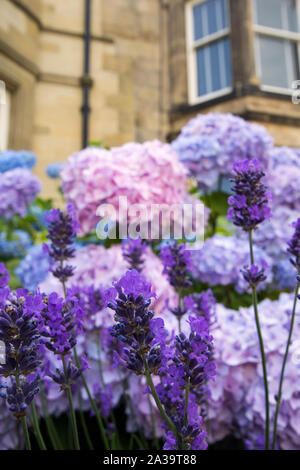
(267,31)
(5,116)
(192,46)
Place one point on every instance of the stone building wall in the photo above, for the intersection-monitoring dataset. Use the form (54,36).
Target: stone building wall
(276,112)
(139,73)
(41,60)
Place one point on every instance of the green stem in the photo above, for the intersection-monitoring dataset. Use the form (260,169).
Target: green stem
(153,424)
(26,434)
(278,398)
(84,426)
(93,404)
(262,350)
(159,405)
(55,441)
(36,427)
(72,412)
(116,431)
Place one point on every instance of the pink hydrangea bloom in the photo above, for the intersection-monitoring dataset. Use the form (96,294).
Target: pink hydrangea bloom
(108,266)
(148,173)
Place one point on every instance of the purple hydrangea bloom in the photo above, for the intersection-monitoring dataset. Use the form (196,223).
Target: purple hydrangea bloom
(284,275)
(210,144)
(249,204)
(284,156)
(294,246)
(239,383)
(18,188)
(220,260)
(202,156)
(16,246)
(274,233)
(283,182)
(34,268)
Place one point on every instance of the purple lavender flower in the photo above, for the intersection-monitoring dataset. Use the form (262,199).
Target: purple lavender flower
(249,205)
(19,332)
(104,398)
(133,251)
(133,323)
(294,246)
(177,264)
(202,305)
(254,275)
(190,366)
(68,376)
(20,335)
(60,322)
(19,396)
(62,231)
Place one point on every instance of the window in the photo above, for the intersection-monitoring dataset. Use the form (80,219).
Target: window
(208,49)
(276,24)
(5,100)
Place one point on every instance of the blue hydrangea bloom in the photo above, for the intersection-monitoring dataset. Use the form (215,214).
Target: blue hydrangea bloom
(34,268)
(11,159)
(53,170)
(209,144)
(16,247)
(285,276)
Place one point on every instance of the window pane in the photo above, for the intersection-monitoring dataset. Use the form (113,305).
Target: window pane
(278,61)
(292,15)
(209,17)
(214,67)
(201,79)
(280,14)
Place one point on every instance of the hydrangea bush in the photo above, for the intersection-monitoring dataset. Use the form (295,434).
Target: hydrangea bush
(187,347)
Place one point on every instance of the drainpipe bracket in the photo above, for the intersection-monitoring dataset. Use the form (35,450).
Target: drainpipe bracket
(86,80)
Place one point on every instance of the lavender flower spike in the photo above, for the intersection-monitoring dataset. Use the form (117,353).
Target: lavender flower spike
(254,275)
(133,251)
(249,205)
(62,231)
(176,261)
(294,246)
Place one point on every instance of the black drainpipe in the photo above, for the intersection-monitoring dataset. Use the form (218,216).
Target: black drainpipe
(86,80)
